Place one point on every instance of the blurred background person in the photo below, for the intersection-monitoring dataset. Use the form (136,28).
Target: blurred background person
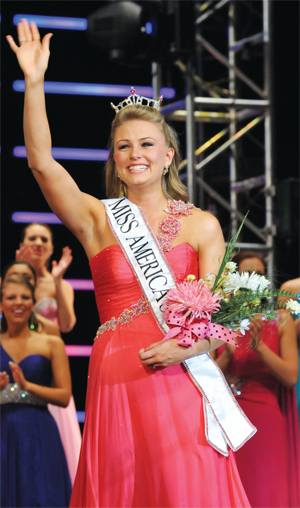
(54,301)
(55,296)
(294,286)
(19,267)
(35,372)
(262,373)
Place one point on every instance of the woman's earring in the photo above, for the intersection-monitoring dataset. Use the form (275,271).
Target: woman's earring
(31,321)
(166,169)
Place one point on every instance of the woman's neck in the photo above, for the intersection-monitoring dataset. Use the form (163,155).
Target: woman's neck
(41,271)
(150,202)
(17,331)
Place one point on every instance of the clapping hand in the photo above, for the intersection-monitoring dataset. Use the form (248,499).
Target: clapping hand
(256,333)
(59,268)
(18,375)
(4,380)
(24,254)
(32,54)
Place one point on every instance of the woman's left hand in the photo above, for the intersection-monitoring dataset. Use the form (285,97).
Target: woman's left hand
(256,327)
(18,375)
(163,354)
(58,269)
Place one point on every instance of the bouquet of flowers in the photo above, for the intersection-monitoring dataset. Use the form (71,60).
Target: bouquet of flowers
(222,305)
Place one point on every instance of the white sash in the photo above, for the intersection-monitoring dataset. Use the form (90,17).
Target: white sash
(225,421)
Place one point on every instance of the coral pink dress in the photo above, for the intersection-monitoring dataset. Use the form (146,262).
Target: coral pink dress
(144,443)
(269,464)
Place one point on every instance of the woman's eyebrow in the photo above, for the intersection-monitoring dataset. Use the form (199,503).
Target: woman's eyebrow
(140,139)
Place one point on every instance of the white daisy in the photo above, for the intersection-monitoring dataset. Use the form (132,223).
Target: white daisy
(235,281)
(230,266)
(264,282)
(293,306)
(243,326)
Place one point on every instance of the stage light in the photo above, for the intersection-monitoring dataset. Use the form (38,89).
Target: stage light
(80,416)
(57,87)
(127,30)
(78,350)
(82,154)
(28,217)
(148,28)
(53,21)
(81,284)
(135,32)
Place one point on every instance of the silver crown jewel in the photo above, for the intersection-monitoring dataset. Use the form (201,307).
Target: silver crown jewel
(137,99)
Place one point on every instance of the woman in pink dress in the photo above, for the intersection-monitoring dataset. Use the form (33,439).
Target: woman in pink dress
(55,302)
(263,380)
(144,442)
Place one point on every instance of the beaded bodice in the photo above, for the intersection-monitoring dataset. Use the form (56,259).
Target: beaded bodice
(170,225)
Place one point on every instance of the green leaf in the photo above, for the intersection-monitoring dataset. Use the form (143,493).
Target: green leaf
(228,252)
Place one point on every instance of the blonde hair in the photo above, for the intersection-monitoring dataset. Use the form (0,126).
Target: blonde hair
(172,186)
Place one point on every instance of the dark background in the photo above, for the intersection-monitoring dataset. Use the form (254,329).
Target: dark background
(82,121)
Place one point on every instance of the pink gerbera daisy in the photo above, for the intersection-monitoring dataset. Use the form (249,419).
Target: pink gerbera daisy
(191,300)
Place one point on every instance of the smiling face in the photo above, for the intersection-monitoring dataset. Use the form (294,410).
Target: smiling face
(17,303)
(39,239)
(21,269)
(141,153)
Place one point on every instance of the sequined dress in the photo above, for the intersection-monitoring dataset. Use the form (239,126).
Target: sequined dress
(144,443)
(65,417)
(34,471)
(269,464)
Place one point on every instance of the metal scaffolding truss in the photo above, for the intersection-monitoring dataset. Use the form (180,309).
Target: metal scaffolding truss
(240,115)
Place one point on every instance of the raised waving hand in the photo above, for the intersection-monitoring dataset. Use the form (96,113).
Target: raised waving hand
(32,54)
(78,211)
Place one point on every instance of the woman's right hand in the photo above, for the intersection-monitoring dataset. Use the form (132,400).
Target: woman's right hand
(24,254)
(18,375)
(4,380)
(32,54)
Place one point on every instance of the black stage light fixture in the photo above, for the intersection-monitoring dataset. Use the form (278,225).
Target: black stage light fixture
(135,32)
(126,30)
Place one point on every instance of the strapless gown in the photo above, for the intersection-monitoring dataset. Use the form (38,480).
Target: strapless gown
(34,471)
(144,442)
(269,464)
(65,417)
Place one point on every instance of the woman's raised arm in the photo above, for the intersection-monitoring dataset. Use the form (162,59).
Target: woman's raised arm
(75,209)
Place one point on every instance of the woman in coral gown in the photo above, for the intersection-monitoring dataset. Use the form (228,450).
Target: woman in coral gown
(263,381)
(144,442)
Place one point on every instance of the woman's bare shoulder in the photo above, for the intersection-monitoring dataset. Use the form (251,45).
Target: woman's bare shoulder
(51,342)
(291,285)
(205,221)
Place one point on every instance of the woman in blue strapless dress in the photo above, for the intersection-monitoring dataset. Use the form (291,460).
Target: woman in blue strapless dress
(34,371)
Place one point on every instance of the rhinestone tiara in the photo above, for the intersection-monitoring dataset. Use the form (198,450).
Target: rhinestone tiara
(137,99)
